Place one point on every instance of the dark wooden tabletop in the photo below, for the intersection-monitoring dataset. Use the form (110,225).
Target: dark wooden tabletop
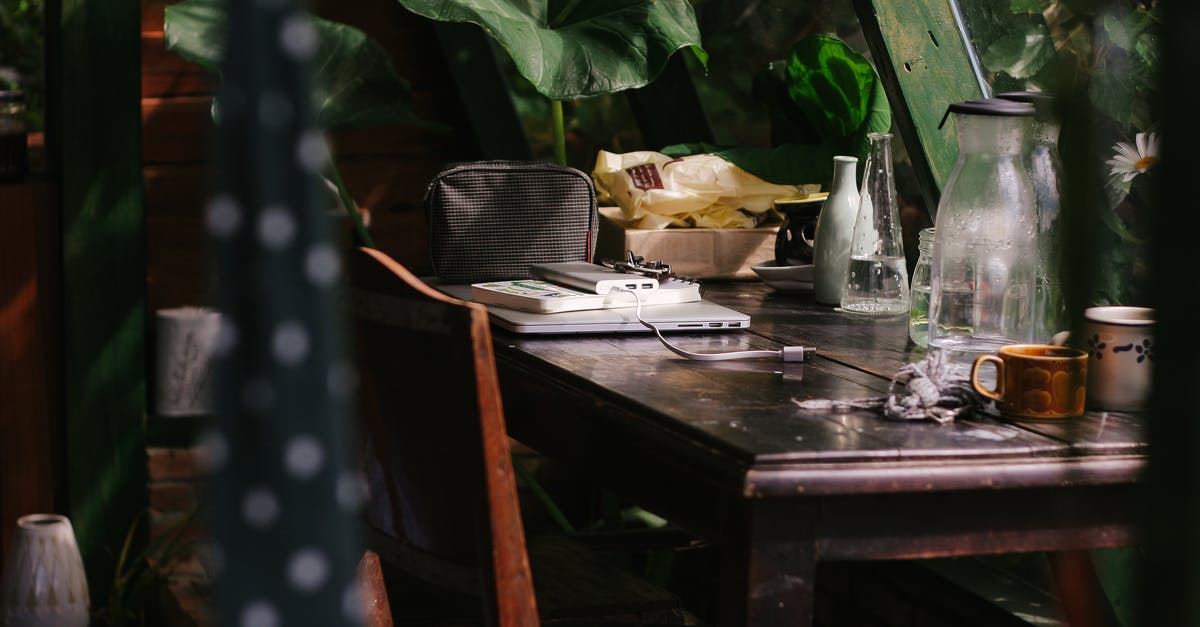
(722,447)
(747,409)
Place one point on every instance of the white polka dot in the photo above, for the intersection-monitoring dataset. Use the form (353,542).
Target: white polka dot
(215,450)
(276,227)
(298,37)
(259,614)
(353,605)
(258,395)
(341,380)
(311,151)
(304,456)
(351,490)
(223,216)
(275,110)
(322,265)
(260,508)
(227,337)
(290,343)
(308,570)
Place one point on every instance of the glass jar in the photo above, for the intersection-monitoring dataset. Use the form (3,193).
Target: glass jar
(982,272)
(1043,166)
(918,309)
(14,155)
(877,275)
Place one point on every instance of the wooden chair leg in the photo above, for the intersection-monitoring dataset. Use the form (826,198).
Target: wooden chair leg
(1083,598)
(377,612)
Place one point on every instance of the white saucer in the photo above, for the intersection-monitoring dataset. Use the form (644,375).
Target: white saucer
(785,278)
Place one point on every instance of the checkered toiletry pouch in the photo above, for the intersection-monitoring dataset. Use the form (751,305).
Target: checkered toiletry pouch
(491,220)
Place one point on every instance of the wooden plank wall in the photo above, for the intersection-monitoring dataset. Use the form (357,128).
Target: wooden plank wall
(386,169)
(30,393)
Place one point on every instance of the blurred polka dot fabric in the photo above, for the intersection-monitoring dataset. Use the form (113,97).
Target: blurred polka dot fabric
(285,499)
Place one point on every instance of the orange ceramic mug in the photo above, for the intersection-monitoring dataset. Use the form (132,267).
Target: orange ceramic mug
(1036,380)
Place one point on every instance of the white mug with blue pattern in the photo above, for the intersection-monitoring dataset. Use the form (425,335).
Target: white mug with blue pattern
(1120,345)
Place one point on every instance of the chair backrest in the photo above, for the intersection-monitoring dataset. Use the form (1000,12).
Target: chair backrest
(432,413)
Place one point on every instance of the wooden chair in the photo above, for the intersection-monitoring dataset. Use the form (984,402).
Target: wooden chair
(444,505)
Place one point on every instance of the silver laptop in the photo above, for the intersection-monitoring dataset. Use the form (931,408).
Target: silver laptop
(695,316)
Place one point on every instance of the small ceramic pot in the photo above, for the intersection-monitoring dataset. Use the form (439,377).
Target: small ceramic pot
(44,584)
(1120,345)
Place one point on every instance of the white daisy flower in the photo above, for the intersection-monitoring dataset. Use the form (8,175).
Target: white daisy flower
(1129,161)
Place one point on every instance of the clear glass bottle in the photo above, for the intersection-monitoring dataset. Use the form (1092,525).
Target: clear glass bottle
(877,276)
(1042,165)
(918,310)
(984,255)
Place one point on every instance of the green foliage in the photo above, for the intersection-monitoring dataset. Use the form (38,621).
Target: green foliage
(354,84)
(572,49)
(828,92)
(21,54)
(831,84)
(1029,6)
(138,576)
(1059,45)
(1023,51)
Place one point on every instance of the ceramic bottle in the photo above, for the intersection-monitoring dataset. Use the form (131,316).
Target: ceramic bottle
(835,226)
(44,584)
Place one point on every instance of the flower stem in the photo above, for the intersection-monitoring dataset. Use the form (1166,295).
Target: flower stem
(560,137)
(564,14)
(360,230)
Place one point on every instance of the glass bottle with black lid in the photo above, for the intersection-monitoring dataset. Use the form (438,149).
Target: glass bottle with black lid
(982,272)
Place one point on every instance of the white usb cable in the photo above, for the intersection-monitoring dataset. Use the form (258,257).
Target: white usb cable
(787,353)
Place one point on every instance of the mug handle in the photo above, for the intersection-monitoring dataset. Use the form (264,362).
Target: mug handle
(996,394)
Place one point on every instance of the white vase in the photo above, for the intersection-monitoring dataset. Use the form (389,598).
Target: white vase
(835,227)
(187,338)
(44,584)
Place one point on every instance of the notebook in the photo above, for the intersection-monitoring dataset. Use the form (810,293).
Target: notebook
(700,315)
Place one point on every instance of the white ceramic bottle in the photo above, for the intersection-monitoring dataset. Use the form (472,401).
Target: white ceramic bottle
(835,226)
(44,584)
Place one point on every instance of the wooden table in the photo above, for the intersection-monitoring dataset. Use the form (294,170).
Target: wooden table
(721,449)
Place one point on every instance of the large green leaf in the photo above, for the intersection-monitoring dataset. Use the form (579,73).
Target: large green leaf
(1023,51)
(831,83)
(354,84)
(571,48)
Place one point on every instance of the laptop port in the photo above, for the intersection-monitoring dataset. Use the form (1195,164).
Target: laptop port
(631,286)
(735,324)
(689,324)
(647,286)
(714,324)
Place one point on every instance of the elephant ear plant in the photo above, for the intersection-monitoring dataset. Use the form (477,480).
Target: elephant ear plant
(823,99)
(575,49)
(354,84)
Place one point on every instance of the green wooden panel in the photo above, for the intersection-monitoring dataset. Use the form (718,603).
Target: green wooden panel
(925,66)
(98,83)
